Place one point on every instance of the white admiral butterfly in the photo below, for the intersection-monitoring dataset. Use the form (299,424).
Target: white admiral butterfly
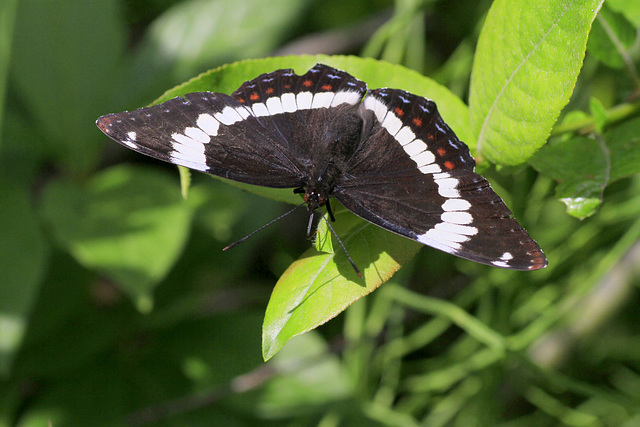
(385,154)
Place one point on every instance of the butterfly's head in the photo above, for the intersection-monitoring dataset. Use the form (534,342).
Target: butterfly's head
(314,199)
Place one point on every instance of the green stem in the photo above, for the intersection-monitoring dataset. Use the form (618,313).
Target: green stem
(455,314)
(588,124)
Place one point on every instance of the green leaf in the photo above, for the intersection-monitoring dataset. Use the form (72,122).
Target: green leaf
(129,223)
(323,239)
(24,152)
(319,286)
(624,144)
(528,57)
(599,114)
(584,166)
(610,38)
(23,261)
(65,62)
(195,35)
(580,165)
(629,8)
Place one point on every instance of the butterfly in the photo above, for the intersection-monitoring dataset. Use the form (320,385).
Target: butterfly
(385,154)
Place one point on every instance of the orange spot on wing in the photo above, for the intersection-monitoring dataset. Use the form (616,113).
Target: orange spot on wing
(326,87)
(307,83)
(241,100)
(449,165)
(287,86)
(103,123)
(441,152)
(399,111)
(269,91)
(417,122)
(254,96)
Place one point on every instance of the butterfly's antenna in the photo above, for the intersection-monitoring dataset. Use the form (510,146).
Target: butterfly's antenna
(353,264)
(236,243)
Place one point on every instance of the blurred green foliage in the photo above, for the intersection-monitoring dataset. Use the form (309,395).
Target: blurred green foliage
(118,307)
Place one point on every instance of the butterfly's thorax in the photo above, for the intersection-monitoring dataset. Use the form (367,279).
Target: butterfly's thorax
(320,186)
(331,152)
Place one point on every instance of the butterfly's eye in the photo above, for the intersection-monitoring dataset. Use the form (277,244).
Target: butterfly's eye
(314,200)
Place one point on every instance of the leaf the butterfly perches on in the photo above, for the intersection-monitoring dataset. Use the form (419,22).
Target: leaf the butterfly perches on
(385,154)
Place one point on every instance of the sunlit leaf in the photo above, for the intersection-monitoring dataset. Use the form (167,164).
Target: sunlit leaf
(319,285)
(528,57)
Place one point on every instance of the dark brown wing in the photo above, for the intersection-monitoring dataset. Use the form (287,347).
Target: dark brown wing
(411,175)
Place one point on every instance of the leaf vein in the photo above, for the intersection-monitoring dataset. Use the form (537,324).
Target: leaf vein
(512,76)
